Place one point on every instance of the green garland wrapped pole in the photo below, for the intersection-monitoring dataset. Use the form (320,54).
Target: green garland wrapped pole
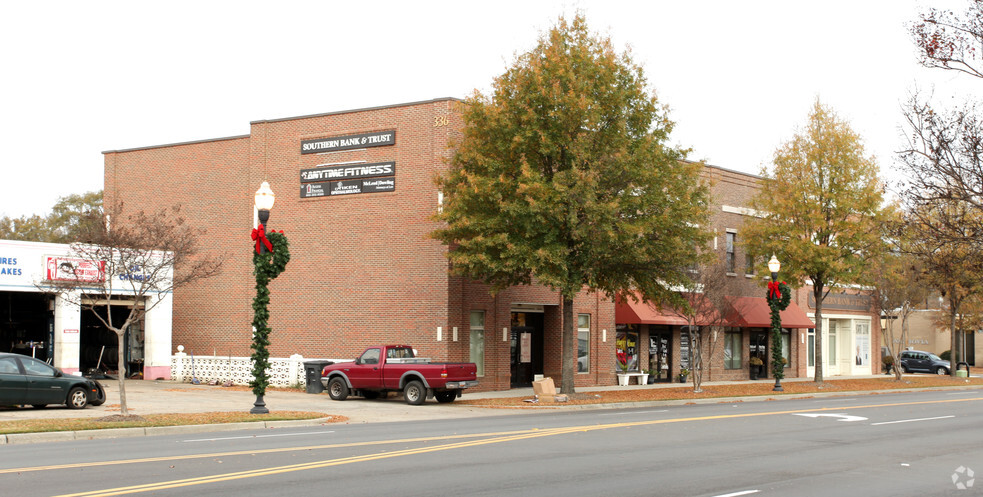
(779,296)
(269,260)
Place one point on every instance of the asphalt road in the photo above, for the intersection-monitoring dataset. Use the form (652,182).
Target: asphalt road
(914,443)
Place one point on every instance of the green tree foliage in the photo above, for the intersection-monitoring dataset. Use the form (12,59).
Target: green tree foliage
(898,287)
(951,268)
(68,219)
(821,211)
(564,176)
(941,158)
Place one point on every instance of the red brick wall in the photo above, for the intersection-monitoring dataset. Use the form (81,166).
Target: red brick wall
(363,269)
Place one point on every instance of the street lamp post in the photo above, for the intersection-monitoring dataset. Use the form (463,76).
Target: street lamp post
(264,200)
(774,302)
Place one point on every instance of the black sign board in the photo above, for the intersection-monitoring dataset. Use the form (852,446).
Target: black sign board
(347,187)
(350,171)
(348,142)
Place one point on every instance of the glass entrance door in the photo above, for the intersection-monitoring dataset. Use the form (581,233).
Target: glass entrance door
(527,348)
(759,349)
(660,353)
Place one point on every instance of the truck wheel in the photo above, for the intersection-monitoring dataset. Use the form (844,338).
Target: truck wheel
(415,393)
(337,388)
(445,397)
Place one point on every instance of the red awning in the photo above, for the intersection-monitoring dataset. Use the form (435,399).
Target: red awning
(628,312)
(753,312)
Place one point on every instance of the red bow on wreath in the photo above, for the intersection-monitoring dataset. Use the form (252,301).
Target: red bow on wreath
(774,291)
(259,234)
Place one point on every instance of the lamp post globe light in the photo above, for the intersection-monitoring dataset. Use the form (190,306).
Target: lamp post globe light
(269,260)
(776,301)
(264,200)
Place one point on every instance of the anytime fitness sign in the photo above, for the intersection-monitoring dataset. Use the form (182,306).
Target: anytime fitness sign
(348,179)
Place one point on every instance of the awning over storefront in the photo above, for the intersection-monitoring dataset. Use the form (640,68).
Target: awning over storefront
(748,312)
(629,312)
(753,312)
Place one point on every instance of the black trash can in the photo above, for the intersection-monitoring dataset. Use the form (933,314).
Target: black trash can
(312,371)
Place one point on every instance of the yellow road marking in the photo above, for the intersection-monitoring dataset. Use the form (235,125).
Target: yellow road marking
(499,437)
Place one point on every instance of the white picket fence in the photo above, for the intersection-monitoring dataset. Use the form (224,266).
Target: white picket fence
(239,370)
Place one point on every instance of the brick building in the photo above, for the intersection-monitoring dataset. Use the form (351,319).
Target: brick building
(851,328)
(363,269)
(355,196)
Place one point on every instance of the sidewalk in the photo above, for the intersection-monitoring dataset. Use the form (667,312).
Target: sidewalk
(162,397)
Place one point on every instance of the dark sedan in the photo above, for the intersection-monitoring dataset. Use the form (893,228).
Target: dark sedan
(28,381)
(917,361)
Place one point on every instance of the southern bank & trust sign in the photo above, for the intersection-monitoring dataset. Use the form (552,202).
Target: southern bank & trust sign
(348,142)
(348,179)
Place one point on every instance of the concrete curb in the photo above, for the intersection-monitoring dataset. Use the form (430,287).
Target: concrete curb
(108,433)
(65,436)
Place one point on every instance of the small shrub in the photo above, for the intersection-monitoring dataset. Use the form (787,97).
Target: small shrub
(946,356)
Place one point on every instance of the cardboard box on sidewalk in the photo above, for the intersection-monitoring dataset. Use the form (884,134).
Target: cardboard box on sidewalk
(544,389)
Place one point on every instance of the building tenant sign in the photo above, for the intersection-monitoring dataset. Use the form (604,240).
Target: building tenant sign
(348,142)
(348,179)
(74,269)
(843,301)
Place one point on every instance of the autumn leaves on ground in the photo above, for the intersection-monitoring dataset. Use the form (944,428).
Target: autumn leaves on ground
(744,389)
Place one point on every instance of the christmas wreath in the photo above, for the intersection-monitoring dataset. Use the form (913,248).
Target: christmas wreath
(779,297)
(267,265)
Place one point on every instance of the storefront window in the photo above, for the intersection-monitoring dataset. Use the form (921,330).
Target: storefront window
(863,344)
(627,349)
(732,349)
(478,340)
(811,348)
(583,343)
(786,346)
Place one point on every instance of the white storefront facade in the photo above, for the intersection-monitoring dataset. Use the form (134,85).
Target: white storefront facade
(36,320)
(848,344)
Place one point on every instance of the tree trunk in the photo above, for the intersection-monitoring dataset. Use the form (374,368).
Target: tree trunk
(568,354)
(121,370)
(696,361)
(817,292)
(954,341)
(896,349)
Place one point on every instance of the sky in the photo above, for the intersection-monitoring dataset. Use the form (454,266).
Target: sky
(739,78)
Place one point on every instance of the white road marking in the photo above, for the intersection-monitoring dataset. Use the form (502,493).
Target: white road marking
(258,436)
(633,412)
(843,417)
(909,420)
(735,494)
(959,393)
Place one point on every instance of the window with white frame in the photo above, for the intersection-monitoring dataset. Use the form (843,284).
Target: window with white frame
(583,343)
(478,340)
(731,242)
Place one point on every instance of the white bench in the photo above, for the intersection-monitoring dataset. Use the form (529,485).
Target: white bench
(643,378)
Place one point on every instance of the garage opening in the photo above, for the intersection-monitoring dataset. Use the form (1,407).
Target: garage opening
(99,346)
(27,324)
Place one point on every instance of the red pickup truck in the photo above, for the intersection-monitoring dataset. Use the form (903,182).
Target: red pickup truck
(390,368)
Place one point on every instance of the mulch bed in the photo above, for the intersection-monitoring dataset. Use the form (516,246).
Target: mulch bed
(745,389)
